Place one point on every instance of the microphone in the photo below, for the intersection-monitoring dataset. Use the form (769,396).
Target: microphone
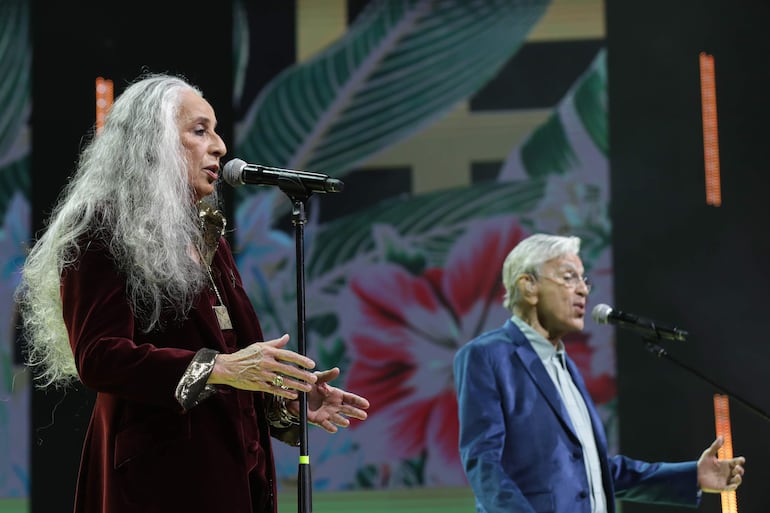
(605,314)
(237,172)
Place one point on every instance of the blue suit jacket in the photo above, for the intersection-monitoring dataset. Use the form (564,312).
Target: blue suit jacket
(519,448)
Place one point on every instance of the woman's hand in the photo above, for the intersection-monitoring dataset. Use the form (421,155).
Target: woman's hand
(330,407)
(265,367)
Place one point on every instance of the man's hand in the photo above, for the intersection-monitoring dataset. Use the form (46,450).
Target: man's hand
(715,475)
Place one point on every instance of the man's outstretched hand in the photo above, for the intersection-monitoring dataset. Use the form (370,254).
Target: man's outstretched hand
(715,475)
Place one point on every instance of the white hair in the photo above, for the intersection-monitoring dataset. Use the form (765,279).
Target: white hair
(131,190)
(527,258)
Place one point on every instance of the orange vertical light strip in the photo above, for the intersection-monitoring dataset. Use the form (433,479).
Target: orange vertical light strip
(104,97)
(708,96)
(722,418)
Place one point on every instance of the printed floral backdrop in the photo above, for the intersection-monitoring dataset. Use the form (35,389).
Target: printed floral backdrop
(394,288)
(396,285)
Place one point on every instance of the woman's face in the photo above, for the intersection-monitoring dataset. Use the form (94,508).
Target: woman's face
(203,146)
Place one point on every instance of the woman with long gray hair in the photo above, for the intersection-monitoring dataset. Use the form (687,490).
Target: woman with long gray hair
(133,290)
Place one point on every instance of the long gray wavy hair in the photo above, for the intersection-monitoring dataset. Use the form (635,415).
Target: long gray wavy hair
(130,188)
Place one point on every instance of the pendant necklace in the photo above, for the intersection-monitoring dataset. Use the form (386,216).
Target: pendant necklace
(223,317)
(212,223)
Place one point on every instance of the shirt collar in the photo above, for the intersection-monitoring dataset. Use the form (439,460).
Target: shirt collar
(544,349)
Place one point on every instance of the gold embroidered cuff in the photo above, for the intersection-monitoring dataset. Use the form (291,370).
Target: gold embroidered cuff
(279,415)
(192,388)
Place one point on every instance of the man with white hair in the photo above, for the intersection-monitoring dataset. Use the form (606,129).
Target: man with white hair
(531,439)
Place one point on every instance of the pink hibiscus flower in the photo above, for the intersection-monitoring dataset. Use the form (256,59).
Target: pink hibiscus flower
(404,330)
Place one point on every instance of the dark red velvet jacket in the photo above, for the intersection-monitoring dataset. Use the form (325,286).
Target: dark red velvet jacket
(142,453)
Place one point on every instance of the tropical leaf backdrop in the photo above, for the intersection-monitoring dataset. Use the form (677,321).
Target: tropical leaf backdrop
(396,285)
(401,65)
(15,221)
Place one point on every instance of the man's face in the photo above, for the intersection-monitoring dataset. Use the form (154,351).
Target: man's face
(203,146)
(562,294)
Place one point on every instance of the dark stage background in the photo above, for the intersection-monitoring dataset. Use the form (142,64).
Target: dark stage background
(678,260)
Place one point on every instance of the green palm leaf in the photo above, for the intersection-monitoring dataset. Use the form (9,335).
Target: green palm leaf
(15,68)
(591,102)
(435,219)
(401,65)
(548,150)
(13,177)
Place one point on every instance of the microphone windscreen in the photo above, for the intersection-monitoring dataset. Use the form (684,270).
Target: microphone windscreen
(232,172)
(601,313)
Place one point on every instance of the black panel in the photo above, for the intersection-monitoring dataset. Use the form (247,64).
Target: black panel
(272,45)
(676,259)
(365,188)
(537,76)
(355,7)
(485,171)
(75,43)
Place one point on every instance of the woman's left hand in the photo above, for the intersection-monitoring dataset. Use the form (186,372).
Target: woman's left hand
(331,407)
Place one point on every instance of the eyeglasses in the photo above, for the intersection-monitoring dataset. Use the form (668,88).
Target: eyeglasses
(569,279)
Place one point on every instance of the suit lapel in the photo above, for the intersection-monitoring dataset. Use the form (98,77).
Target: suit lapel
(534,366)
(601,440)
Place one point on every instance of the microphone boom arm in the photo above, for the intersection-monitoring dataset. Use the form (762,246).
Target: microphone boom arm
(655,348)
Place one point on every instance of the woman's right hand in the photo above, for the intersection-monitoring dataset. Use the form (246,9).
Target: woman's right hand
(265,367)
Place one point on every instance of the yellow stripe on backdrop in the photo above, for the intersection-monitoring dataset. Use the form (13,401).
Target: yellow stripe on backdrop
(571,20)
(318,25)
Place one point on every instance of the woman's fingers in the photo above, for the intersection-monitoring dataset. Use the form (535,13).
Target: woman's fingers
(284,355)
(266,366)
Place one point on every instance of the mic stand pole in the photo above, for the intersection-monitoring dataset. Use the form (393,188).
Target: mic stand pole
(654,347)
(299,196)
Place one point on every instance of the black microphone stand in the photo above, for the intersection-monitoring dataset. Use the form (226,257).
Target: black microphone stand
(299,196)
(653,345)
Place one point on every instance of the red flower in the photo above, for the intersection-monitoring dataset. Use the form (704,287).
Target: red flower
(404,330)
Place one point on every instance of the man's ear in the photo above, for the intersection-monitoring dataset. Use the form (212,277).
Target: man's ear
(528,288)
